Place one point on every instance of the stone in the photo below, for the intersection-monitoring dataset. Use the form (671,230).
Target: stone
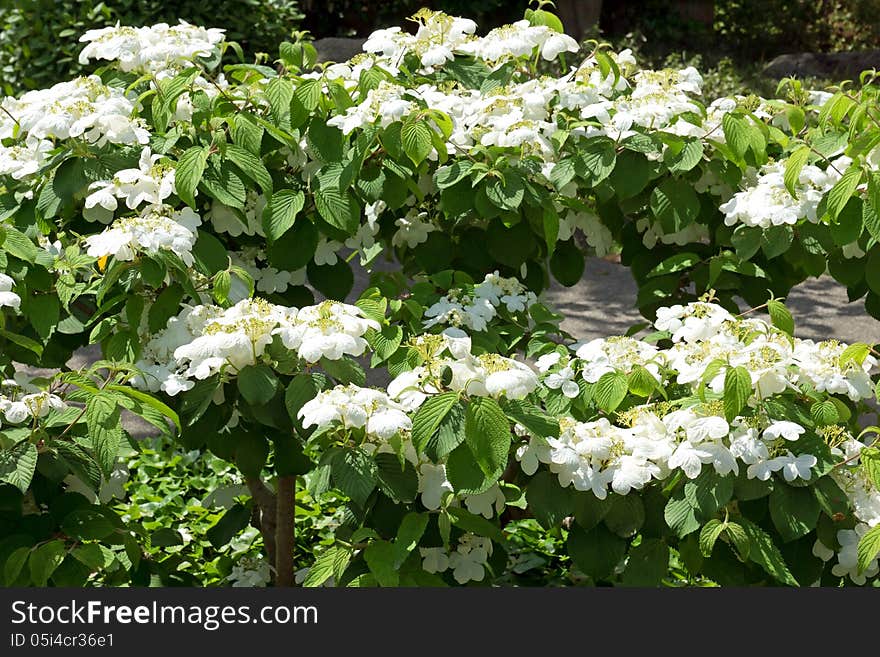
(834,66)
(338,49)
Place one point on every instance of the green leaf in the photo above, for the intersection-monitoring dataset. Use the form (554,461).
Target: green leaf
(280,213)
(676,263)
(709,534)
(228,526)
(380,557)
(103,422)
(338,208)
(506,193)
(412,527)
(478,525)
(737,390)
(709,492)
(399,482)
(870,460)
(429,416)
(675,204)
(251,166)
(780,316)
(257,384)
(18,464)
(327,565)
(641,382)
(648,563)
(465,474)
(567,263)
(746,240)
(449,175)
(739,538)
(596,552)
(595,160)
(589,510)
(531,417)
(88,523)
(354,473)
(44,560)
(487,433)
(188,173)
(15,563)
(610,390)
(687,158)
(415,135)
(251,452)
(793,167)
(869,548)
(842,191)
(824,413)
(795,511)
(741,135)
(764,552)
(548,501)
(626,515)
(680,516)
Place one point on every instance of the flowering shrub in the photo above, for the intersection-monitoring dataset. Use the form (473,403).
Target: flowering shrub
(198,221)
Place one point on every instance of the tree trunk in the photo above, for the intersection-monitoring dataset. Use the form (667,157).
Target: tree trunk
(579,16)
(285,537)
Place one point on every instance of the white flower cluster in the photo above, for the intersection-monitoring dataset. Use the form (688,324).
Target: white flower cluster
(766,202)
(21,401)
(204,340)
(156,228)
(705,332)
(864,499)
(484,375)
(657,439)
(475,309)
(267,279)
(440,37)
(151,182)
(354,407)
(250,572)
(83,107)
(156,49)
(8,298)
(468,560)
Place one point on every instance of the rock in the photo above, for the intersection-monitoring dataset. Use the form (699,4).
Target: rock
(835,65)
(336,49)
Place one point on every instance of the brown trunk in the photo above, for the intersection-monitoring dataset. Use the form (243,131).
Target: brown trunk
(285,538)
(579,16)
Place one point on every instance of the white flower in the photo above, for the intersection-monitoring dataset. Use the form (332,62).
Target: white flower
(794,467)
(563,380)
(556,44)
(433,485)
(848,557)
(356,407)
(434,560)
(156,228)
(158,49)
(487,503)
(329,330)
(7,296)
(785,429)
